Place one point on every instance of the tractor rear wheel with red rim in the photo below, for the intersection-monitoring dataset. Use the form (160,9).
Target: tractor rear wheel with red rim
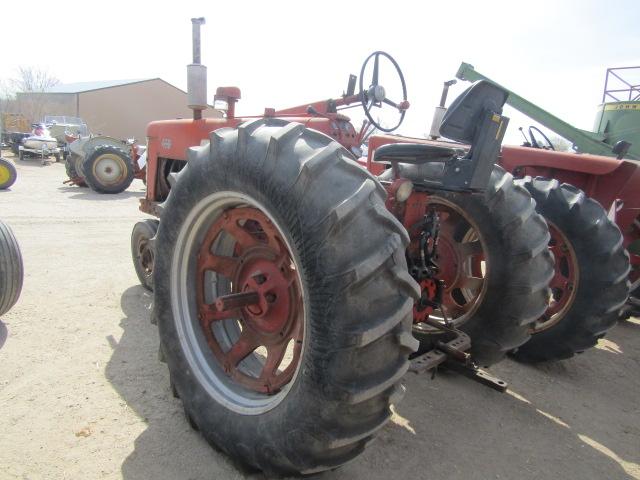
(282,296)
(590,280)
(493,260)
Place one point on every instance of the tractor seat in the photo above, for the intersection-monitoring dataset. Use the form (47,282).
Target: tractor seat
(422,164)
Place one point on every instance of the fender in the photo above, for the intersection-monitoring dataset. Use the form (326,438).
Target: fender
(608,180)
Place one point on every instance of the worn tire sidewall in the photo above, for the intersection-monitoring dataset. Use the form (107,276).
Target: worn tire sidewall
(307,385)
(145,229)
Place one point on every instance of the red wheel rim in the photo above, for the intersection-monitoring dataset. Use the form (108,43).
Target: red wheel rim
(564,283)
(264,298)
(461,262)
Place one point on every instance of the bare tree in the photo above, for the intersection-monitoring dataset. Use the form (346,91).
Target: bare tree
(23,94)
(33,79)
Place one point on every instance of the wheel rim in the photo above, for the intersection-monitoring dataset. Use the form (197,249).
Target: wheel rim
(461,262)
(146,258)
(238,302)
(5,174)
(109,169)
(564,284)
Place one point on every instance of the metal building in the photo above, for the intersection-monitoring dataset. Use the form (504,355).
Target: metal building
(119,108)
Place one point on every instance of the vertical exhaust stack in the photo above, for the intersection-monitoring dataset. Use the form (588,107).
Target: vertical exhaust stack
(197,74)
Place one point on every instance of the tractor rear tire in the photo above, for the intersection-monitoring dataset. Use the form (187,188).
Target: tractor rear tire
(108,169)
(518,264)
(8,174)
(592,248)
(345,254)
(72,173)
(143,251)
(11,269)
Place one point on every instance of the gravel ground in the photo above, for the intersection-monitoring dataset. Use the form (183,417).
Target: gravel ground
(83,395)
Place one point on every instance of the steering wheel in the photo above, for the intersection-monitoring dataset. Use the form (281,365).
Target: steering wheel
(534,142)
(375,95)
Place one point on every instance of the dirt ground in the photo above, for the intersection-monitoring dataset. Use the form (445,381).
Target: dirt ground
(83,395)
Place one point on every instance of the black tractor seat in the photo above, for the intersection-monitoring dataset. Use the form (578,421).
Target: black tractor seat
(422,164)
(415,153)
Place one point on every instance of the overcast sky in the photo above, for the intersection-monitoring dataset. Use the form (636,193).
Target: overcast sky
(280,54)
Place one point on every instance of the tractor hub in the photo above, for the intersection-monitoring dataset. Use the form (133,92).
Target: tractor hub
(109,169)
(461,262)
(5,174)
(264,302)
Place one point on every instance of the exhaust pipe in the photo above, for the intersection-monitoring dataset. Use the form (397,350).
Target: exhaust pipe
(197,74)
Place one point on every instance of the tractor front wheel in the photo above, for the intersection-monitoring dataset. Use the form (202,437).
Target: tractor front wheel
(591,267)
(282,297)
(143,251)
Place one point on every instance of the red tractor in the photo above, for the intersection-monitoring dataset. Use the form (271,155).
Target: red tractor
(591,201)
(292,279)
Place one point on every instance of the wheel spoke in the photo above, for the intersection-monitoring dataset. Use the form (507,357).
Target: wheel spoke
(472,283)
(275,355)
(392,103)
(209,314)
(243,237)
(470,249)
(223,265)
(374,79)
(371,103)
(245,345)
(452,307)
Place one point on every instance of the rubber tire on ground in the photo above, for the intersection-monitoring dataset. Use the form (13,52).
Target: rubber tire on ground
(360,296)
(11,170)
(94,182)
(603,266)
(147,230)
(72,173)
(11,269)
(520,266)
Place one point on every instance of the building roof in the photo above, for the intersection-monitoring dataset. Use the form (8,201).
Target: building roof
(81,87)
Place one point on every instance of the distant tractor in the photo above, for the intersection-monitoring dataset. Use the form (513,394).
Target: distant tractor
(292,283)
(591,201)
(105,164)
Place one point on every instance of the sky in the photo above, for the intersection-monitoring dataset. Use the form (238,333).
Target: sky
(286,53)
